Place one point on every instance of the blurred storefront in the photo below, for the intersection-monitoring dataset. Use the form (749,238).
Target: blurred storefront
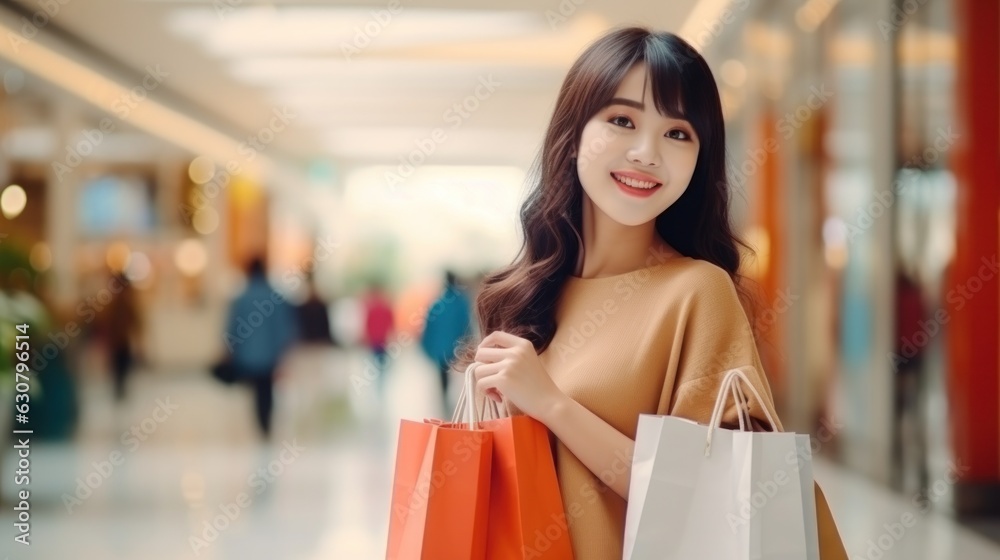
(863,137)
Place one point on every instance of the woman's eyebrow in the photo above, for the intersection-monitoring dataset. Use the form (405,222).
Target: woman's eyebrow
(642,107)
(628,103)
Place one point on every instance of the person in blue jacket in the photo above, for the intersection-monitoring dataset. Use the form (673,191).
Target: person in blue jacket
(448,322)
(260,328)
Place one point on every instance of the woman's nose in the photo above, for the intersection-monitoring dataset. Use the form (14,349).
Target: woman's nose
(643,153)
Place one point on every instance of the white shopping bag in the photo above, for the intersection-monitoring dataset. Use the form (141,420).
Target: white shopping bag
(704,493)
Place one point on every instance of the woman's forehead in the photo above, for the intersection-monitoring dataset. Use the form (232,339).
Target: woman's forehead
(635,81)
(637,86)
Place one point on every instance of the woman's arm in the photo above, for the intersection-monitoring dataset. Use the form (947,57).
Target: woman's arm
(597,444)
(509,366)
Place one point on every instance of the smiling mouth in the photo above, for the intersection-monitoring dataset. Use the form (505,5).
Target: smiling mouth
(635,183)
(635,187)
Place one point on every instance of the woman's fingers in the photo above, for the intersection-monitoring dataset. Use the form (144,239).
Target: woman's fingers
(485,370)
(501,339)
(490,355)
(489,385)
(487,380)
(490,393)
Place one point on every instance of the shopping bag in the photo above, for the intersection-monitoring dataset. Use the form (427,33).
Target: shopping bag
(441,488)
(706,492)
(225,371)
(527,519)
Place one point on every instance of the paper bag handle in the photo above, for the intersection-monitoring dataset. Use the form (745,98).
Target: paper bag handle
(495,411)
(466,409)
(731,384)
(742,407)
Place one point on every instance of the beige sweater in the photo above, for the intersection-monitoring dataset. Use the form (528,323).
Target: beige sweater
(655,340)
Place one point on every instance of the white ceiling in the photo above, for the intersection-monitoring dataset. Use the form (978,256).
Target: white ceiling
(360,97)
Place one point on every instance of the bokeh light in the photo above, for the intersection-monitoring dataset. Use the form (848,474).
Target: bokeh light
(205,221)
(40,256)
(734,73)
(191,257)
(12,201)
(139,267)
(201,170)
(117,256)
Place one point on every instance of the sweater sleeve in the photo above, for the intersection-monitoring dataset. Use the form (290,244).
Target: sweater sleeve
(715,337)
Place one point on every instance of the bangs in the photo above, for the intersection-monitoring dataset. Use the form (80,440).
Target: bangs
(666,72)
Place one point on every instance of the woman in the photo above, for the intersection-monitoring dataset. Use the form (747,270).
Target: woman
(626,295)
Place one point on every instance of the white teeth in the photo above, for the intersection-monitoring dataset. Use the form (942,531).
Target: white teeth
(634,183)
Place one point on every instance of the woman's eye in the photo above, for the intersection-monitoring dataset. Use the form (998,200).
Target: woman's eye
(621,121)
(678,134)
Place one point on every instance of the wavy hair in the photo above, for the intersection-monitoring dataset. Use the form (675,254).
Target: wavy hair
(521,297)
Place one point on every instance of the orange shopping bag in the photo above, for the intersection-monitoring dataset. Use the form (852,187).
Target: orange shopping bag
(441,489)
(527,519)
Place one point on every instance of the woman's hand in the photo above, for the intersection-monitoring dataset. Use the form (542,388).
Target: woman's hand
(510,367)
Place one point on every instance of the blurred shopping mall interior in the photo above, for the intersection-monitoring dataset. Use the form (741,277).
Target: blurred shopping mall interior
(150,150)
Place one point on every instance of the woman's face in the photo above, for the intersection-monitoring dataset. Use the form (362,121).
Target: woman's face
(632,161)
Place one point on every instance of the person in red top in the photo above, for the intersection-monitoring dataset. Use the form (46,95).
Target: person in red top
(378,327)
(910,390)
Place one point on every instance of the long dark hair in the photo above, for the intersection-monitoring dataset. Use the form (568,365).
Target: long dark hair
(521,298)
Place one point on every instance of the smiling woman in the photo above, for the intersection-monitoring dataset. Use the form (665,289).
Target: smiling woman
(628,246)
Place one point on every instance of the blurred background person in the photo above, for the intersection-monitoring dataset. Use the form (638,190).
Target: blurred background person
(379,321)
(122,327)
(314,318)
(260,328)
(314,355)
(909,424)
(448,321)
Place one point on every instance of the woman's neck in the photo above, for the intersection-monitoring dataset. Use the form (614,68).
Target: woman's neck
(611,248)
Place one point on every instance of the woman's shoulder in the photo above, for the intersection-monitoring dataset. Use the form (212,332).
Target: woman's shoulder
(699,278)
